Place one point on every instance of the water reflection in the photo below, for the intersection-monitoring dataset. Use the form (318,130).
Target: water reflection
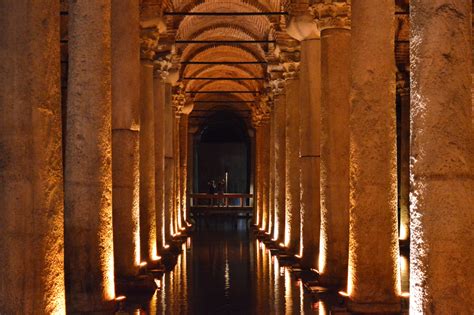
(225,270)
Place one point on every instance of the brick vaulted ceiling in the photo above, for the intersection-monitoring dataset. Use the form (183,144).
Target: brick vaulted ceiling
(227,58)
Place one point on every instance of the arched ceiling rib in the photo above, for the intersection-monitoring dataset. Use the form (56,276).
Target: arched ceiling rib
(225,70)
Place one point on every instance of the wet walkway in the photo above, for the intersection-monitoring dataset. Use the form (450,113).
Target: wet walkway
(223,269)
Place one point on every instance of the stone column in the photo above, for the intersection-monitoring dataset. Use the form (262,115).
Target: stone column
(335,134)
(183,142)
(89,254)
(160,179)
(176,171)
(125,136)
(190,167)
(310,124)
(265,176)
(403,91)
(169,164)
(303,28)
(147,164)
(31,169)
(373,271)
(258,200)
(280,157)
(292,161)
(271,175)
(442,157)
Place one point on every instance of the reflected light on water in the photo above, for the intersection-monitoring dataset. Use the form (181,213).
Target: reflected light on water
(225,270)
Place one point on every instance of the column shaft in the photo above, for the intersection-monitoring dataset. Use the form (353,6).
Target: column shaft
(373,280)
(292,166)
(147,165)
(265,176)
(125,136)
(310,126)
(177,174)
(335,134)
(89,255)
(442,157)
(31,170)
(280,158)
(183,143)
(169,164)
(160,179)
(258,177)
(404,154)
(271,175)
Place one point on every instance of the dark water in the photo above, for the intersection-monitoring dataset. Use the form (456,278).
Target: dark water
(223,269)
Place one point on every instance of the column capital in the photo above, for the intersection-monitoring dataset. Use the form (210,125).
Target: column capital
(261,111)
(332,14)
(301,23)
(403,84)
(276,82)
(291,70)
(149,37)
(162,68)
(179,102)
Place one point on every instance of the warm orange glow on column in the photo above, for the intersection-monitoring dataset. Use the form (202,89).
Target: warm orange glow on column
(106,244)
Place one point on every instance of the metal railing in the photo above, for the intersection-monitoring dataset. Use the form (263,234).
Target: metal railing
(226,200)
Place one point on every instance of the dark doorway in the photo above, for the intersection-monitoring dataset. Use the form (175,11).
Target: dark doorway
(222,152)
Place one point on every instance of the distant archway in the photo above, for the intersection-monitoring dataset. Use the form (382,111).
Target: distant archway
(222,152)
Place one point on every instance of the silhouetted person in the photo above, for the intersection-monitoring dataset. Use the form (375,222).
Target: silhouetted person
(211,189)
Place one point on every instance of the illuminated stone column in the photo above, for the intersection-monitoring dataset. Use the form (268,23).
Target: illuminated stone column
(280,157)
(310,126)
(335,134)
(373,271)
(176,172)
(258,200)
(147,164)
(303,28)
(31,169)
(271,176)
(265,168)
(160,179)
(89,253)
(183,143)
(442,157)
(169,164)
(403,91)
(292,158)
(125,136)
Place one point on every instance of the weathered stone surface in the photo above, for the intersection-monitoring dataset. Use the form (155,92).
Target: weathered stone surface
(31,170)
(373,280)
(159,97)
(335,112)
(89,253)
(271,175)
(265,176)
(147,165)
(125,135)
(309,129)
(126,183)
(183,143)
(292,168)
(442,157)
(280,157)
(169,164)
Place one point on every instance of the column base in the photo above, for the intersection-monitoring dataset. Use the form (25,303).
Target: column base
(374,308)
